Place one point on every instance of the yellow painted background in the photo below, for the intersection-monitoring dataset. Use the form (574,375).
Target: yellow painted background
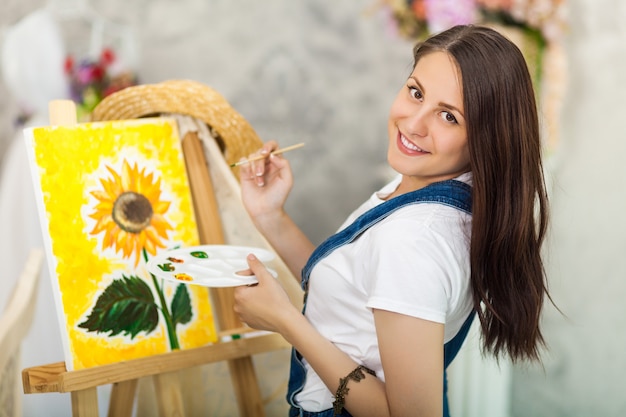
(70,161)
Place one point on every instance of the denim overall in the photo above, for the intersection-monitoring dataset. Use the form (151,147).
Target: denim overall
(451,193)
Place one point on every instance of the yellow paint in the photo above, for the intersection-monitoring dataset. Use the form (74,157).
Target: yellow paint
(72,162)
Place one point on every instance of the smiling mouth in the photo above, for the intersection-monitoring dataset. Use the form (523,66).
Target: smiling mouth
(410,146)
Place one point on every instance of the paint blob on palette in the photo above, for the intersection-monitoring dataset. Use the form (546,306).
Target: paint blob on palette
(208,265)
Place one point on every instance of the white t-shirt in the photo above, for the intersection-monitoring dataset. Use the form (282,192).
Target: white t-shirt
(414,262)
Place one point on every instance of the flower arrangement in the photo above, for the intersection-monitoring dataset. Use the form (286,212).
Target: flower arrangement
(537,22)
(535,26)
(91,80)
(415,19)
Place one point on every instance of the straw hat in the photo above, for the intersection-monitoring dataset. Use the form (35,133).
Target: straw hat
(188,98)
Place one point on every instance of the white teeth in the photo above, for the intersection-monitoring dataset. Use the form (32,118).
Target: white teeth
(410,145)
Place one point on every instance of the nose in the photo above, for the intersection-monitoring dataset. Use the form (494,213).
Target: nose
(417,122)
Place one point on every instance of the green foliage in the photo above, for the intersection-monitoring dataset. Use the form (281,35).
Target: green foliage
(126,306)
(181,306)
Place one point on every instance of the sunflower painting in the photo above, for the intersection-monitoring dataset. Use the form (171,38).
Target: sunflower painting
(111,195)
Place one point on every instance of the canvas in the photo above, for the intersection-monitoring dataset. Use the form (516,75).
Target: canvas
(111,195)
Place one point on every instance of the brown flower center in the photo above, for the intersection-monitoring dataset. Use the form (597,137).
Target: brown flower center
(132,212)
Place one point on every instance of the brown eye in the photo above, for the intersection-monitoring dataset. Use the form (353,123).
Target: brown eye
(415,93)
(448,117)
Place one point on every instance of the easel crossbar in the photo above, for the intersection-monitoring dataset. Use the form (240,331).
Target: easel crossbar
(55,378)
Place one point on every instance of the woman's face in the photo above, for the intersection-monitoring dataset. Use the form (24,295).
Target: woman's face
(427,129)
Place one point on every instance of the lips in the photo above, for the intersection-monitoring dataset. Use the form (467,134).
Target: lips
(408,147)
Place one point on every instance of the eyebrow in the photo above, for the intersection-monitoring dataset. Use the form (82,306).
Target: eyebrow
(446,105)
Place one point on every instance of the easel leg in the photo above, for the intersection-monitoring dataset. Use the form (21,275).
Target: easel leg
(246,387)
(168,394)
(122,399)
(190,380)
(85,403)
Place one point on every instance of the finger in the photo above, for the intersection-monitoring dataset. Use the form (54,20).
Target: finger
(259,172)
(244,170)
(245,272)
(258,168)
(257,267)
(278,161)
(269,146)
(282,166)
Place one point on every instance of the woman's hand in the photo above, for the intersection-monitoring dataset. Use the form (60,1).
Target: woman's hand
(265,184)
(263,306)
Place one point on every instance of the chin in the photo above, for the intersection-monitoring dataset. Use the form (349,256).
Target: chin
(400,168)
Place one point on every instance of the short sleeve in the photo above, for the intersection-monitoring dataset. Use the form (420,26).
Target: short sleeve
(415,266)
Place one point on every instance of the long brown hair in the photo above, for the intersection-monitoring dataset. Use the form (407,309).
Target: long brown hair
(510,204)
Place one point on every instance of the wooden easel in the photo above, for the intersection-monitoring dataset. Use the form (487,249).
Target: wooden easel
(164,368)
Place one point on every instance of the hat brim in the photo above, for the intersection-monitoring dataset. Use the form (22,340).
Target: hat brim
(187,98)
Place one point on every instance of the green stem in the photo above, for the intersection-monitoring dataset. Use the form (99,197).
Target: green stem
(171,330)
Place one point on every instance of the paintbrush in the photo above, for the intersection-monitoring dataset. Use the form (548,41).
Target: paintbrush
(277,151)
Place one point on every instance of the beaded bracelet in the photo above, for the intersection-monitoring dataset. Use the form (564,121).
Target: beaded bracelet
(340,396)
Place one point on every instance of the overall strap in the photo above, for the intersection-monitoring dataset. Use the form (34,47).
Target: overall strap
(450,350)
(452,347)
(452,193)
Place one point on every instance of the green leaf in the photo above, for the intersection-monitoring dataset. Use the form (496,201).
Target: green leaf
(126,306)
(181,305)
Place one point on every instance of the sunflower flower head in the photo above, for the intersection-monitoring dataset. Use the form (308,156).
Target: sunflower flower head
(130,212)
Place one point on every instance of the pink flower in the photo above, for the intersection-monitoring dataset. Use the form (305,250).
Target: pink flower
(443,14)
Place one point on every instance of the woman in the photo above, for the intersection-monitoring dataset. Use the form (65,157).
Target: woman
(410,267)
